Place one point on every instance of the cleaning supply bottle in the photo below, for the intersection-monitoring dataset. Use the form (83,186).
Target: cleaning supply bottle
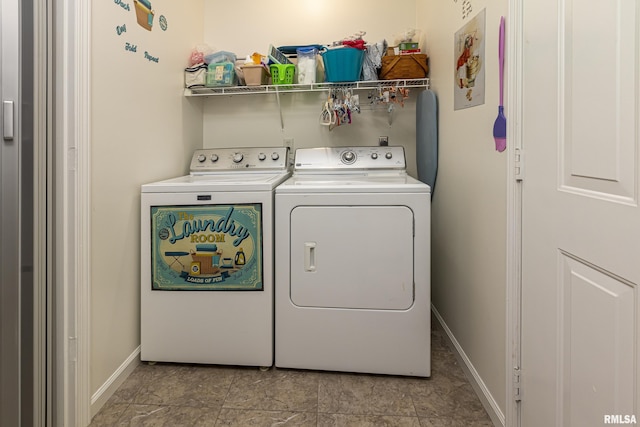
(239,259)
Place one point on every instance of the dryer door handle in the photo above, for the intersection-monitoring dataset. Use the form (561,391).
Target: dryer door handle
(310,256)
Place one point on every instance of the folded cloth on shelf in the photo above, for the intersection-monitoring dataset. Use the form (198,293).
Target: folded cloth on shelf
(207,248)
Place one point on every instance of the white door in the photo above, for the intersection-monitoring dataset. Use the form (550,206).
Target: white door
(581,221)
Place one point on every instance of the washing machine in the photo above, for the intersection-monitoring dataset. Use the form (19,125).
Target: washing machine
(207,259)
(353,264)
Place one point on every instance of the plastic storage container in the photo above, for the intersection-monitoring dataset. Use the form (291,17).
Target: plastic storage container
(221,74)
(343,64)
(306,64)
(282,74)
(255,75)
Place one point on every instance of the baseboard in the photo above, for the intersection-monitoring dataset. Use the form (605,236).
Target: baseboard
(485,396)
(112,384)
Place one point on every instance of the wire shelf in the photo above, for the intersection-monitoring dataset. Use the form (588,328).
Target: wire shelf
(314,87)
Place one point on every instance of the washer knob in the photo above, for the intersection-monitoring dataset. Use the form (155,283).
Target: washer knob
(237,157)
(214,158)
(374,156)
(388,155)
(275,156)
(262,156)
(202,158)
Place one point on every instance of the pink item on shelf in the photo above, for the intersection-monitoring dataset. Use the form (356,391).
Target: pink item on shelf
(358,44)
(197,57)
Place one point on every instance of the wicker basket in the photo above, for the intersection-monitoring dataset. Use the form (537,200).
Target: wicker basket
(412,66)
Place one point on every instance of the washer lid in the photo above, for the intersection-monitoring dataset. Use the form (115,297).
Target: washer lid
(353,183)
(235,181)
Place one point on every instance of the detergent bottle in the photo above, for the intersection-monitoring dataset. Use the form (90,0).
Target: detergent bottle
(239,259)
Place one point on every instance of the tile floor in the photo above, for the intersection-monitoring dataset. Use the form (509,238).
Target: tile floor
(196,395)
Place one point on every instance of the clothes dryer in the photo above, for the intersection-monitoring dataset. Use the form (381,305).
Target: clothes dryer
(207,259)
(353,263)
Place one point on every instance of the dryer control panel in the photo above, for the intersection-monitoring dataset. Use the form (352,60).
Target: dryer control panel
(350,158)
(211,160)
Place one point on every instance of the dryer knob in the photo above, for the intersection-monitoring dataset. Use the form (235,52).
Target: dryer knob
(388,155)
(262,156)
(202,158)
(237,158)
(374,156)
(348,157)
(275,156)
(214,158)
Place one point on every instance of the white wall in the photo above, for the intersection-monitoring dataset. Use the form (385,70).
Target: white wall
(255,121)
(142,130)
(469,207)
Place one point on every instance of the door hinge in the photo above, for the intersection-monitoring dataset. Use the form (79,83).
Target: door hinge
(517,387)
(519,164)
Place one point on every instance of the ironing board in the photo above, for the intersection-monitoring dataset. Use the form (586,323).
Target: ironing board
(176,257)
(427,138)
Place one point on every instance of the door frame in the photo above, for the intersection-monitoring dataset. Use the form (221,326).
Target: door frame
(515,173)
(71,157)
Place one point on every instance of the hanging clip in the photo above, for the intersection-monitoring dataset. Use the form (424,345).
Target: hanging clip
(327,116)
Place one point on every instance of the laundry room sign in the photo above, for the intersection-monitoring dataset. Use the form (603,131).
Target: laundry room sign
(206,247)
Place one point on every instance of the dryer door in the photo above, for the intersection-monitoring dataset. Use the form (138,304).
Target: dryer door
(355,257)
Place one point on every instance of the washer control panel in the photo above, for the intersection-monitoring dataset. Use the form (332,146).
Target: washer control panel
(350,158)
(210,160)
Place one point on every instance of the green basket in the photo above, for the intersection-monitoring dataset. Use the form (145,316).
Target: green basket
(282,74)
